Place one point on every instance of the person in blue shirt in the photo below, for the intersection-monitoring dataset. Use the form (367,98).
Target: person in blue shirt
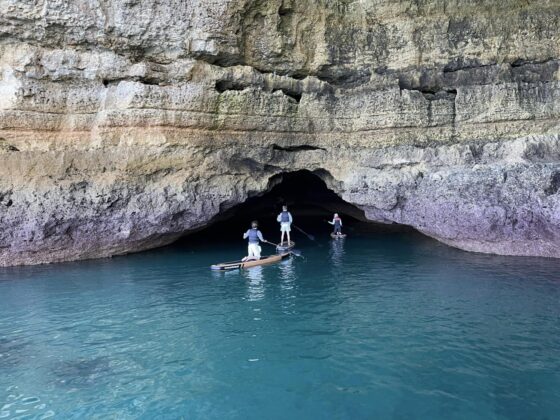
(285,219)
(255,236)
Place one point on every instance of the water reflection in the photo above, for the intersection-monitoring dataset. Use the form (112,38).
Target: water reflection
(337,251)
(288,284)
(287,273)
(255,289)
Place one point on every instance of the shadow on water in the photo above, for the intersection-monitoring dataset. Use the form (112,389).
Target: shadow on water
(13,352)
(81,372)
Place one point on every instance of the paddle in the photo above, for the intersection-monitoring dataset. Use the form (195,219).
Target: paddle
(306,234)
(295,252)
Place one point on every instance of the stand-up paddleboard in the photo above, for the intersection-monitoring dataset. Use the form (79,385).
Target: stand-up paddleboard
(270,259)
(285,246)
(335,236)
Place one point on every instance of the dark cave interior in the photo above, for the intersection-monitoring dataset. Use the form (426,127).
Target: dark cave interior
(309,200)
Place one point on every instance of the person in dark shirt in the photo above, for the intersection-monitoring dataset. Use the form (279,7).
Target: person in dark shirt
(337,223)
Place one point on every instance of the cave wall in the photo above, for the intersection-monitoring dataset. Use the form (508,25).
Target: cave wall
(125,123)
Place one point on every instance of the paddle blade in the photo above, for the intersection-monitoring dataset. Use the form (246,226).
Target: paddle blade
(296,252)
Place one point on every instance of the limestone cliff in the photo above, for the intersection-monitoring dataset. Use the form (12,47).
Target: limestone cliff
(126,123)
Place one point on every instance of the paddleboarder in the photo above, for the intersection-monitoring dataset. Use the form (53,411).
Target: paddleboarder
(337,223)
(285,219)
(255,237)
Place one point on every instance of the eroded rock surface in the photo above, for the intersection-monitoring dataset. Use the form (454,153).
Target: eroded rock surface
(125,124)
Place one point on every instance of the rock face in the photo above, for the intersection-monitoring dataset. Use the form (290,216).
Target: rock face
(125,124)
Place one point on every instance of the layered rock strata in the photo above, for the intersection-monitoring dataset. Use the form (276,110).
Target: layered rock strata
(126,124)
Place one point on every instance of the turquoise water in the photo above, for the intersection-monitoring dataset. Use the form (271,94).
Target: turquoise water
(389,326)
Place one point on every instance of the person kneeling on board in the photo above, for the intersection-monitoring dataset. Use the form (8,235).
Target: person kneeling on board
(255,236)
(285,219)
(337,223)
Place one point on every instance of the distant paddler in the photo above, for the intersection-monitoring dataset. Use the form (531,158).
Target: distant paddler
(337,223)
(255,237)
(285,219)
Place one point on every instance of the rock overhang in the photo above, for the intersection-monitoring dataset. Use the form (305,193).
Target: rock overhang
(115,140)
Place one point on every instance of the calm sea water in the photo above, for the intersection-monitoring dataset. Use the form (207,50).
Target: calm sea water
(390,326)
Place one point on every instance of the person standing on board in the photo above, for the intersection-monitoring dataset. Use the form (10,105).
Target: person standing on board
(337,223)
(255,236)
(285,219)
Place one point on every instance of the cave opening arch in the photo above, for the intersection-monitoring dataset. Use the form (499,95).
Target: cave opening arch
(309,199)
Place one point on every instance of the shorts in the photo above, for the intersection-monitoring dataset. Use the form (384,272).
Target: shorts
(285,227)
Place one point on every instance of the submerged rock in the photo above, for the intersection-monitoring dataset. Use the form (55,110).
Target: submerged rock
(124,125)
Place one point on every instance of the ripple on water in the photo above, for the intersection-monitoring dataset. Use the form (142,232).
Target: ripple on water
(19,406)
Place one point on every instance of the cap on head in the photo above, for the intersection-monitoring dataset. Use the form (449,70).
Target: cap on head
(254,224)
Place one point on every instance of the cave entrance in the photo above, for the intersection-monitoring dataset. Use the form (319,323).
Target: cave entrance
(309,200)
